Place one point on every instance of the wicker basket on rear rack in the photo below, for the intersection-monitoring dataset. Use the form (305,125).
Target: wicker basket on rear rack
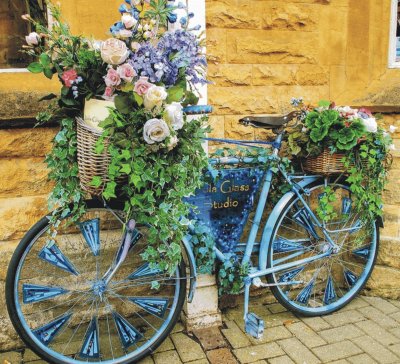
(325,163)
(90,163)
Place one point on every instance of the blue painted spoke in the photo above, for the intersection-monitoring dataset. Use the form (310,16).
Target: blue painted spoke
(302,217)
(91,344)
(47,332)
(282,245)
(136,236)
(358,225)
(144,271)
(346,205)
(34,293)
(363,252)
(288,276)
(305,294)
(91,232)
(52,254)
(330,294)
(350,277)
(128,334)
(155,306)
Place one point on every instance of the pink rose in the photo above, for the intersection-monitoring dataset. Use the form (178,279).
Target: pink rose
(69,77)
(108,92)
(32,39)
(142,86)
(112,79)
(126,72)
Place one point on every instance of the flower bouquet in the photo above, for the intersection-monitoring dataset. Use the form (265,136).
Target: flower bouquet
(121,115)
(336,140)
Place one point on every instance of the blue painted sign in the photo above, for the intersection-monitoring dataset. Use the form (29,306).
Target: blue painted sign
(225,204)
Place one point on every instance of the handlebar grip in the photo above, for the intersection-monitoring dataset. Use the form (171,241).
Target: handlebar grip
(198,109)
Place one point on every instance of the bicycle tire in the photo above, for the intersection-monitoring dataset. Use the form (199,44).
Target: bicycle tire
(13,299)
(296,302)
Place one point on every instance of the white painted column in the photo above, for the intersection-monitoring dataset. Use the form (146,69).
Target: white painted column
(203,311)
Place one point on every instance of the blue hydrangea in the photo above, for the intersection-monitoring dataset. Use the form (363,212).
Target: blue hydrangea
(176,51)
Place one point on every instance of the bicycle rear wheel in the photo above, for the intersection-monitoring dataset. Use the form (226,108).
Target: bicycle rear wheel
(325,285)
(64,312)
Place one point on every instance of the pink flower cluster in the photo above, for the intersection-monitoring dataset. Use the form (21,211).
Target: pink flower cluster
(115,77)
(69,77)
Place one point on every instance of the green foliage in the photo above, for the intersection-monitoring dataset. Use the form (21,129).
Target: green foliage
(202,241)
(231,275)
(157,179)
(160,11)
(325,209)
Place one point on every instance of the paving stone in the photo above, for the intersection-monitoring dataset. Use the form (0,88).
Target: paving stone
(396,316)
(395,348)
(187,348)
(235,336)
(361,359)
(342,361)
(147,360)
(178,328)
(358,302)
(165,346)
(210,338)
(395,303)
(298,352)
(341,333)
(382,305)
(336,351)
(316,323)
(170,357)
(29,355)
(306,335)
(281,360)
(395,332)
(379,317)
(376,350)
(371,328)
(222,355)
(276,308)
(12,357)
(201,361)
(258,352)
(344,317)
(278,319)
(272,334)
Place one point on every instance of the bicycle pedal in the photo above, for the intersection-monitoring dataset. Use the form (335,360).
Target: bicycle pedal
(254,325)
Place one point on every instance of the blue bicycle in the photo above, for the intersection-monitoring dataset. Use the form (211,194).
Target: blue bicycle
(89,297)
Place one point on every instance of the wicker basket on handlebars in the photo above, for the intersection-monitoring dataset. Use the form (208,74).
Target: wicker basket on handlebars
(325,163)
(90,163)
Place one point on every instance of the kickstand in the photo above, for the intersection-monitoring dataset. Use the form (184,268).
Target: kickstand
(254,325)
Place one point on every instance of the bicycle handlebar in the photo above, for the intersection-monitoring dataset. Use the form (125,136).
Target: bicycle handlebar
(198,109)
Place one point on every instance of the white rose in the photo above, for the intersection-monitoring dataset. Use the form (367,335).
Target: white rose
(173,142)
(128,20)
(392,129)
(370,124)
(32,39)
(154,97)
(155,131)
(114,51)
(174,115)
(124,33)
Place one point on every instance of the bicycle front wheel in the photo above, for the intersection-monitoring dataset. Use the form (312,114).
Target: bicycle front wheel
(325,285)
(64,311)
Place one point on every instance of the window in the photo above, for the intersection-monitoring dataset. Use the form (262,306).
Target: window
(394,44)
(13,30)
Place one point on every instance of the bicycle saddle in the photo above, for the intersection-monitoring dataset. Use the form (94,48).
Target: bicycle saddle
(268,122)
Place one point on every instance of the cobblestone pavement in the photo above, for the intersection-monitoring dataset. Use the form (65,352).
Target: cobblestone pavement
(366,331)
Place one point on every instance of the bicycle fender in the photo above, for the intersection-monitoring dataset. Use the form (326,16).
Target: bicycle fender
(272,219)
(192,268)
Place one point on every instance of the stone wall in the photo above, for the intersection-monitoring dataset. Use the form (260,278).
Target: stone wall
(263,52)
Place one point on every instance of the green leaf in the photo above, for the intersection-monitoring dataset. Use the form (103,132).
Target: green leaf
(96,181)
(324,103)
(48,73)
(190,99)
(175,94)
(45,60)
(138,99)
(35,67)
(126,168)
(124,104)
